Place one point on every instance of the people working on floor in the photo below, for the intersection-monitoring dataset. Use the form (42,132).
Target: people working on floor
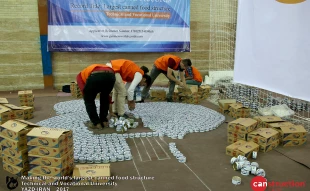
(192,75)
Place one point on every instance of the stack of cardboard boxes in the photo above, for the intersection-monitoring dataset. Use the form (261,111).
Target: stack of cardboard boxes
(224,105)
(13,142)
(239,129)
(5,112)
(158,95)
(189,95)
(26,98)
(204,91)
(75,90)
(15,111)
(237,110)
(50,152)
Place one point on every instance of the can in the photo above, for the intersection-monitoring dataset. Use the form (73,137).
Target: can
(237,165)
(254,154)
(236,180)
(233,160)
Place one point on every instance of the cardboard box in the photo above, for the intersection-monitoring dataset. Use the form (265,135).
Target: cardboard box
(49,137)
(51,161)
(99,173)
(15,170)
(242,148)
(280,124)
(16,162)
(263,136)
(3,100)
(204,89)
(16,112)
(189,90)
(27,102)
(237,135)
(5,114)
(158,99)
(28,112)
(158,94)
(224,103)
(269,147)
(294,142)
(16,129)
(48,170)
(223,111)
(49,151)
(264,121)
(244,125)
(292,132)
(231,140)
(237,110)
(25,94)
(13,144)
(21,155)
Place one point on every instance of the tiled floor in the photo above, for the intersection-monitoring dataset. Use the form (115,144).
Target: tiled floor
(207,167)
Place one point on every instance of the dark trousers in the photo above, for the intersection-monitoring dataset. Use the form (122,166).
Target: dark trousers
(98,83)
(154,74)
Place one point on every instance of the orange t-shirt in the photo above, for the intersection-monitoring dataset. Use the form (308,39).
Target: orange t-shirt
(168,61)
(196,74)
(126,68)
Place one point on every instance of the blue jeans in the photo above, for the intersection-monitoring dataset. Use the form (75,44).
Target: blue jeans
(193,82)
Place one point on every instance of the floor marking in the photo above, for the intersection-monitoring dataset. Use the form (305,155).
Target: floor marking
(155,150)
(138,173)
(162,149)
(145,149)
(137,149)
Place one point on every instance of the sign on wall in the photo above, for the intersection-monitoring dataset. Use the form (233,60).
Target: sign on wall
(119,25)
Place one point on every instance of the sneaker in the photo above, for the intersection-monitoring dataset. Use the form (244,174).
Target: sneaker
(169,100)
(90,125)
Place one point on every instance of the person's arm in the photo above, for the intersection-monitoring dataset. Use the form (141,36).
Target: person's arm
(171,77)
(132,86)
(181,73)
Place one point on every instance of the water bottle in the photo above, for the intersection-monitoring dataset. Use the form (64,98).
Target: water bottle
(138,93)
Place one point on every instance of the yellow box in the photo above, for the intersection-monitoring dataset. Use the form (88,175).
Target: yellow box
(25,94)
(263,136)
(3,100)
(51,161)
(15,170)
(238,135)
(292,132)
(264,121)
(98,173)
(16,129)
(16,162)
(16,112)
(22,155)
(294,142)
(242,148)
(13,144)
(50,151)
(224,103)
(244,125)
(49,137)
(5,114)
(269,147)
(49,170)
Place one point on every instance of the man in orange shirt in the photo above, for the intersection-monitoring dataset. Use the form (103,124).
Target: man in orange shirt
(165,65)
(192,75)
(94,79)
(129,72)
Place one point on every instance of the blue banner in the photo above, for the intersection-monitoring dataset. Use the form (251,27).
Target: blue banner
(119,25)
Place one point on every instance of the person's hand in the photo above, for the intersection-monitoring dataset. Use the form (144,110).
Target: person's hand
(111,115)
(131,105)
(182,84)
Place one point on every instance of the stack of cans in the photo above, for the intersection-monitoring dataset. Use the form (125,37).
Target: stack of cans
(246,167)
(178,155)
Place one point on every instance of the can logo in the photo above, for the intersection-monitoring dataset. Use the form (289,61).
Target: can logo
(44,151)
(292,128)
(10,134)
(45,170)
(43,142)
(12,153)
(297,136)
(91,172)
(45,133)
(295,142)
(10,160)
(8,144)
(13,124)
(47,163)
(259,183)
(10,168)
